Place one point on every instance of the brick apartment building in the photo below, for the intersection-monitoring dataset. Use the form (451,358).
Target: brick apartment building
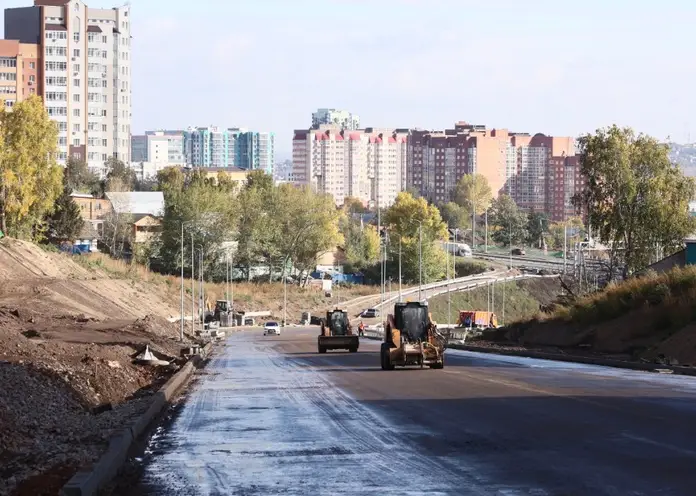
(541,173)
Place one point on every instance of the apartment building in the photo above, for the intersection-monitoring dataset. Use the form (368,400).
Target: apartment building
(19,71)
(157,150)
(333,117)
(232,147)
(82,68)
(368,164)
(539,172)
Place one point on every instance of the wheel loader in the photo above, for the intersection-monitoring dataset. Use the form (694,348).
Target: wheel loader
(411,338)
(337,333)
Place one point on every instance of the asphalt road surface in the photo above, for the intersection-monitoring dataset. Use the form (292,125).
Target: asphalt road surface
(272,417)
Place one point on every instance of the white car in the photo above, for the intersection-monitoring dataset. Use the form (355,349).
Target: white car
(271,328)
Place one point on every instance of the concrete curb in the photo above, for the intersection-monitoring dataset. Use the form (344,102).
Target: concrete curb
(605,362)
(89,482)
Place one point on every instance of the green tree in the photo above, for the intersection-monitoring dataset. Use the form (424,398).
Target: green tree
(509,224)
(119,177)
(411,220)
(473,191)
(537,228)
(208,210)
(635,198)
(79,179)
(65,223)
(569,232)
(309,226)
(30,179)
(361,243)
(455,216)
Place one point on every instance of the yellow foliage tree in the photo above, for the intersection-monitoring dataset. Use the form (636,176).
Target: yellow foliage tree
(30,178)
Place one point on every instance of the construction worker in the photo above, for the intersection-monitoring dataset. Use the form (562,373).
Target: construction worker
(361,329)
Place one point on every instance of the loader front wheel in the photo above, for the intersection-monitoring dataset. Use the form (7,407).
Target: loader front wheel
(384,357)
(322,349)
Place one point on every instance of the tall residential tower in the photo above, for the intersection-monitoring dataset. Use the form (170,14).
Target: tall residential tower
(83,73)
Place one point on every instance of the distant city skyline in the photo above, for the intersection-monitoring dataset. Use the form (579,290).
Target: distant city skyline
(539,68)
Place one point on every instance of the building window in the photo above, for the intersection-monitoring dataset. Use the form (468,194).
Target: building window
(104,143)
(76,128)
(103,128)
(76,83)
(76,113)
(32,65)
(76,51)
(76,97)
(76,142)
(76,36)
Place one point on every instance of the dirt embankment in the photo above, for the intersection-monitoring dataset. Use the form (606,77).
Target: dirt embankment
(68,335)
(652,318)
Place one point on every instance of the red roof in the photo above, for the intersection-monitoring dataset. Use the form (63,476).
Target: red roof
(354,136)
(339,137)
(392,139)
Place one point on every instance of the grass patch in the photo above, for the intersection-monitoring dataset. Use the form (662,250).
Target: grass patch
(521,302)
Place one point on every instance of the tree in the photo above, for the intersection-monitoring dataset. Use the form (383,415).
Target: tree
(353,205)
(411,220)
(473,192)
(635,198)
(566,233)
(361,243)
(509,224)
(455,216)
(30,179)
(65,223)
(78,178)
(119,177)
(207,208)
(537,227)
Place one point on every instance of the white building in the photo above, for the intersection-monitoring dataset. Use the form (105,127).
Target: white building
(367,164)
(340,118)
(86,81)
(157,150)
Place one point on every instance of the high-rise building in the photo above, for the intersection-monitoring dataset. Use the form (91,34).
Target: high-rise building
(367,164)
(233,147)
(541,173)
(156,150)
(332,117)
(83,60)
(19,71)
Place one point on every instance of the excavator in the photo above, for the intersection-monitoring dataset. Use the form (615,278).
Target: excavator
(337,333)
(412,338)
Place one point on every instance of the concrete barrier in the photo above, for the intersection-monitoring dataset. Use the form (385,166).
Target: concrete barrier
(90,482)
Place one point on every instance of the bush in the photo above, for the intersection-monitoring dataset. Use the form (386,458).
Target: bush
(465,268)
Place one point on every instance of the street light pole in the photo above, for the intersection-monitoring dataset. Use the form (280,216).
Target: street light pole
(181,330)
(193,289)
(486,245)
(399,268)
(285,298)
(420,260)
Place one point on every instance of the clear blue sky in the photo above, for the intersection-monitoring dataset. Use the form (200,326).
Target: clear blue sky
(551,66)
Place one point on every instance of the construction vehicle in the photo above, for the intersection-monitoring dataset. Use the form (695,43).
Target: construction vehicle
(476,319)
(337,333)
(412,338)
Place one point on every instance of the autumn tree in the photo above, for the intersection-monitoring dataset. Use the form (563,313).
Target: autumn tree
(537,228)
(566,233)
(414,225)
(30,178)
(635,198)
(352,205)
(509,224)
(454,216)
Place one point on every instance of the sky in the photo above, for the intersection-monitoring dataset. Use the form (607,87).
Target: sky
(552,66)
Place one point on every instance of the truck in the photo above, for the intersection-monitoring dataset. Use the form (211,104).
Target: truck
(477,319)
(337,333)
(412,338)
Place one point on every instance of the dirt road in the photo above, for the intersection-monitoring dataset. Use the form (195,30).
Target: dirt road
(271,416)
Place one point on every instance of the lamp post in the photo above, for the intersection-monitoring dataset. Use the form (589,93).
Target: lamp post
(285,298)
(181,320)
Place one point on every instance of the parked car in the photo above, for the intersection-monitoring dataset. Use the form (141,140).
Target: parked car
(370,313)
(271,328)
(518,251)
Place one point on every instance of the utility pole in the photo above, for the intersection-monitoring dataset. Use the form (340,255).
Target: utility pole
(285,298)
(399,268)
(193,288)
(486,246)
(420,260)
(181,330)
(565,248)
(447,273)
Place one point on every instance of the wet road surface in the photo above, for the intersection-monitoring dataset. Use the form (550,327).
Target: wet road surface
(272,417)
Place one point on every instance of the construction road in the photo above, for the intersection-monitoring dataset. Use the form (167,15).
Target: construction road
(270,416)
